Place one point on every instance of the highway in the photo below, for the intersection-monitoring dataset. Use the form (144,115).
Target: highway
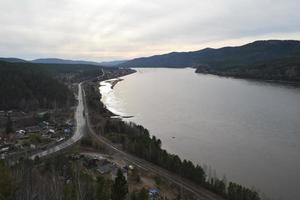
(82,122)
(79,130)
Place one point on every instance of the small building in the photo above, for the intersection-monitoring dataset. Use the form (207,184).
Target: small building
(33,129)
(20,133)
(69,124)
(67,131)
(153,193)
(51,131)
(4,149)
(60,139)
(105,169)
(45,124)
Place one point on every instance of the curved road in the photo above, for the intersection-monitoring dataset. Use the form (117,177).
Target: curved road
(79,131)
(199,192)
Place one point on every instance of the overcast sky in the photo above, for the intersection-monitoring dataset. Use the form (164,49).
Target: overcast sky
(121,29)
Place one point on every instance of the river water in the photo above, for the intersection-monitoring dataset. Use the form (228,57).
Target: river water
(248,131)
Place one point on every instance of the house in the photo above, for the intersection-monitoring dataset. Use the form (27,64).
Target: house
(75,156)
(153,193)
(4,149)
(69,124)
(20,133)
(105,169)
(33,129)
(67,131)
(45,124)
(111,169)
(60,139)
(51,131)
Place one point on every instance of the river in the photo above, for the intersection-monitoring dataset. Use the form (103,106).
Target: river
(248,131)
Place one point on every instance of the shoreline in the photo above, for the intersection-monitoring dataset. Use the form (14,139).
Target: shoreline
(113,82)
(273,81)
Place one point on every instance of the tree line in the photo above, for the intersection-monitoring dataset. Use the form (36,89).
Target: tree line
(57,178)
(136,140)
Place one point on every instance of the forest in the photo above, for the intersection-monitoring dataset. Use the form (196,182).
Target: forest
(57,178)
(30,87)
(281,69)
(266,60)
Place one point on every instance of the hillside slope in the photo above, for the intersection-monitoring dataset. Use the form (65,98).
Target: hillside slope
(253,53)
(29,87)
(63,61)
(13,60)
(267,60)
(282,69)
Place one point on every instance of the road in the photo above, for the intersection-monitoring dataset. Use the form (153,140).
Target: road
(199,192)
(79,130)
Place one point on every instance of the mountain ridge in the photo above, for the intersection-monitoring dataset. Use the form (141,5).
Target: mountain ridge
(257,51)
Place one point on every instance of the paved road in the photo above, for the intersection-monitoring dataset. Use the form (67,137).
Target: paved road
(199,192)
(79,131)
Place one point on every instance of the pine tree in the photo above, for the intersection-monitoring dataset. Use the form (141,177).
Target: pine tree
(9,126)
(7,189)
(120,187)
(102,192)
(143,195)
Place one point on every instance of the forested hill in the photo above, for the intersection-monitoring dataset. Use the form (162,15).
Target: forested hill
(13,60)
(281,69)
(28,87)
(253,53)
(270,59)
(63,61)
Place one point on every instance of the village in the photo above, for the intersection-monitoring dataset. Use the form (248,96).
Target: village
(38,131)
(23,133)
(107,166)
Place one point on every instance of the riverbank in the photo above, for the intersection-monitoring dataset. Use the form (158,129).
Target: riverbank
(247,77)
(106,87)
(115,82)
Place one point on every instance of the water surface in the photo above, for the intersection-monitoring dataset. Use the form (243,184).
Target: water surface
(246,130)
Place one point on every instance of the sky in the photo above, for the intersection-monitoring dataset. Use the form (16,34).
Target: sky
(103,30)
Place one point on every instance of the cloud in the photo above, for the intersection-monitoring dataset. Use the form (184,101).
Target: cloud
(101,30)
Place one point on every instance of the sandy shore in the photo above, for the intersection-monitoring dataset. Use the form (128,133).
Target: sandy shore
(114,82)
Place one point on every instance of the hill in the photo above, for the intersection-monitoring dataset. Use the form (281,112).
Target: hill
(112,63)
(63,61)
(281,69)
(270,59)
(13,60)
(81,62)
(256,52)
(29,87)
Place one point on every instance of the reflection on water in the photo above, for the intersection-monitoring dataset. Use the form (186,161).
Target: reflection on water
(248,130)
